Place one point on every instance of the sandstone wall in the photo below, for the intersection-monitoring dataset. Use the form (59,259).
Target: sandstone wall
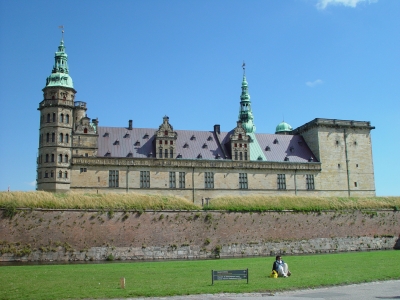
(36,235)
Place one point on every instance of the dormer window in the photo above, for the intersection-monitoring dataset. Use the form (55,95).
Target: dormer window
(286,158)
(217,156)
(259,158)
(146,136)
(291,149)
(276,141)
(267,148)
(108,154)
(116,143)
(311,159)
(137,144)
(200,156)
(209,138)
(130,154)
(179,156)
(150,154)
(205,146)
(127,135)
(186,145)
(193,138)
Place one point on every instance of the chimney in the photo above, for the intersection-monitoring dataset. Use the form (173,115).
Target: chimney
(217,129)
(130,125)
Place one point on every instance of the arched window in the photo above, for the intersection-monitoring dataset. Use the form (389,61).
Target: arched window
(47,137)
(54,117)
(52,174)
(47,158)
(66,174)
(52,158)
(61,118)
(48,118)
(53,137)
(160,153)
(171,153)
(60,158)
(60,174)
(236,155)
(46,174)
(166,153)
(66,138)
(66,158)
(61,138)
(67,119)
(240,155)
(85,130)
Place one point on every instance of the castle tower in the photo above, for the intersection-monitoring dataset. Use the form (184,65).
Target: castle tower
(56,125)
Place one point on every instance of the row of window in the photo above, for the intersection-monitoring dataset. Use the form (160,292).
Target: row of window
(50,174)
(52,118)
(62,138)
(160,153)
(240,155)
(51,158)
(208,180)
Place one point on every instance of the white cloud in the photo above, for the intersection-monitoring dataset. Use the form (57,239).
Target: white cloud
(322,4)
(33,183)
(314,83)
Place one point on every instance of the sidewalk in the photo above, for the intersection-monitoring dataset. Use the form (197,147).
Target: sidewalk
(365,291)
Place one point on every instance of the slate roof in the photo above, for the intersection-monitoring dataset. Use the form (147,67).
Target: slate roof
(193,144)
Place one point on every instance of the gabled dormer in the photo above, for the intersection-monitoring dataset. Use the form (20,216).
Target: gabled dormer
(240,143)
(165,140)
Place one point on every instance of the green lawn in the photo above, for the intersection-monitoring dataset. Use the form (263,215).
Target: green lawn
(164,278)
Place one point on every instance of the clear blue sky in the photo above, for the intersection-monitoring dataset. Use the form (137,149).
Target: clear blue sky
(142,60)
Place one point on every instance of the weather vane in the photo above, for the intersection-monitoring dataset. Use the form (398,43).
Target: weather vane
(62,30)
(244,68)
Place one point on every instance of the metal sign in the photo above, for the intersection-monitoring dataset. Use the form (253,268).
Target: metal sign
(230,275)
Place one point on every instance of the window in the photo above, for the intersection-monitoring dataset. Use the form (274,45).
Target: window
(113,178)
(209,180)
(241,155)
(67,119)
(236,155)
(46,174)
(60,158)
(53,137)
(310,182)
(181,180)
(83,170)
(52,158)
(166,132)
(160,142)
(160,153)
(60,174)
(240,136)
(338,165)
(171,142)
(144,179)
(66,138)
(54,117)
(85,130)
(47,137)
(61,118)
(166,153)
(355,184)
(245,156)
(171,153)
(61,138)
(39,175)
(52,174)
(66,158)
(66,174)
(47,158)
(243,181)
(48,118)
(281,182)
(166,142)
(172,180)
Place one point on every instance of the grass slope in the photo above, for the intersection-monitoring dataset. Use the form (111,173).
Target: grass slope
(132,201)
(165,278)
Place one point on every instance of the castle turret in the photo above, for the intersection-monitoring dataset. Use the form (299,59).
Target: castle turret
(56,124)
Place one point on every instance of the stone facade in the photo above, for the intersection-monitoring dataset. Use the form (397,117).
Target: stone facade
(324,157)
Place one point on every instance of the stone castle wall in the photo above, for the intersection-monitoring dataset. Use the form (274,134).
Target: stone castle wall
(60,235)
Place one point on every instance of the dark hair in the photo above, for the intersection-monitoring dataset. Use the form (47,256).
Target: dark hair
(277,257)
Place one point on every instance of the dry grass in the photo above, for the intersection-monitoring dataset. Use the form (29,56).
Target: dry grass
(279,203)
(139,202)
(74,200)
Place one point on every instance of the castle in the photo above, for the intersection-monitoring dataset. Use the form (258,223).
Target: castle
(324,157)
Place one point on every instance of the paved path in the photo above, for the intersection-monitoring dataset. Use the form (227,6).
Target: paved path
(365,291)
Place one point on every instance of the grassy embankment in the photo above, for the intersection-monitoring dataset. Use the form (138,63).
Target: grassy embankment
(13,200)
(165,278)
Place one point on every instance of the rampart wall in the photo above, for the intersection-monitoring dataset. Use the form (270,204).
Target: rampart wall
(62,235)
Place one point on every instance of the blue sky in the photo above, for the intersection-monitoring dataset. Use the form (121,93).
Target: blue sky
(142,60)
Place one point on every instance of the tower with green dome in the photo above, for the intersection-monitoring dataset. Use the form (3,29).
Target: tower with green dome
(56,126)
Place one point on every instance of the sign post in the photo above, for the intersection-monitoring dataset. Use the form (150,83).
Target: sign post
(230,275)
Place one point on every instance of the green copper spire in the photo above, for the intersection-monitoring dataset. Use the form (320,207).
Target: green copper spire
(59,75)
(245,113)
